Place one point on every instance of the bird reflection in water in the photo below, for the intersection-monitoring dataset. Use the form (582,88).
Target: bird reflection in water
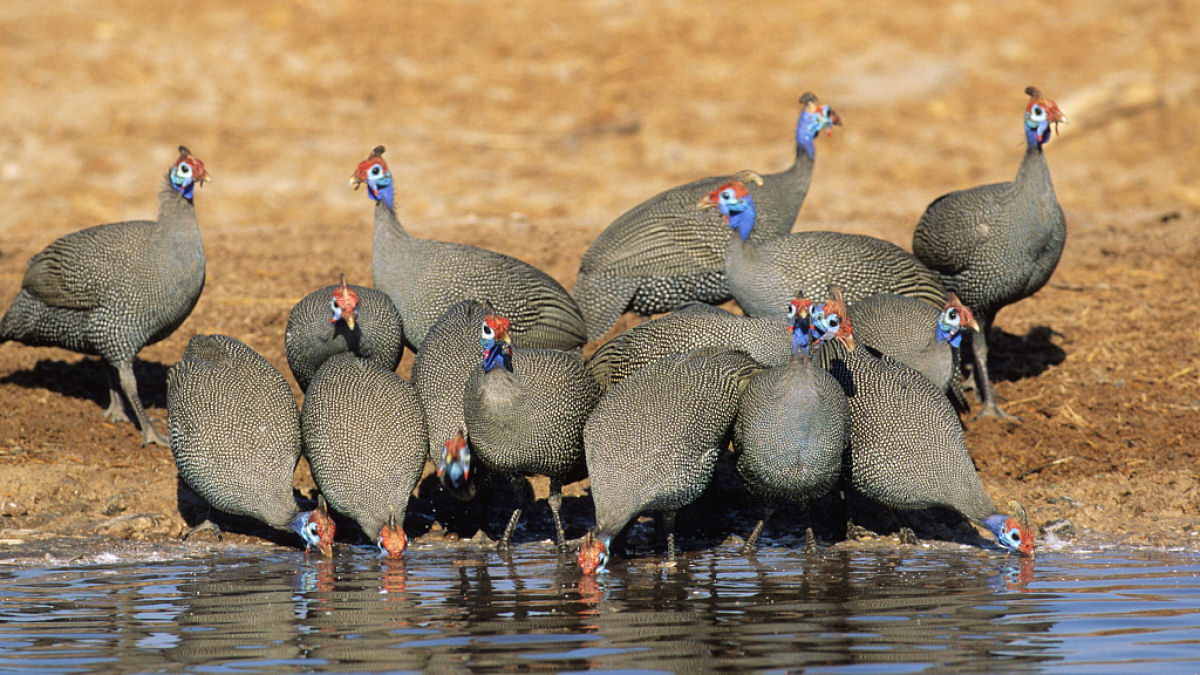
(1015,575)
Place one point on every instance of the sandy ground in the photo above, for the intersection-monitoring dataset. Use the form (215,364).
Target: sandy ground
(527,127)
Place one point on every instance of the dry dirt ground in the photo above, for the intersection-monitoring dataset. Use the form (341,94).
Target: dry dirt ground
(527,127)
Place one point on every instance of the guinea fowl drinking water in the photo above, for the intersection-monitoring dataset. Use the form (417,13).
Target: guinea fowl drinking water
(425,277)
(918,335)
(653,440)
(235,435)
(525,410)
(364,436)
(342,318)
(112,289)
(764,276)
(692,327)
(907,449)
(996,244)
(792,428)
(661,254)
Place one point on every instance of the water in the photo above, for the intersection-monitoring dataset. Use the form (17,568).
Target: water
(836,611)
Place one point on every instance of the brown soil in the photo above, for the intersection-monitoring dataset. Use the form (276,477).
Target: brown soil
(528,127)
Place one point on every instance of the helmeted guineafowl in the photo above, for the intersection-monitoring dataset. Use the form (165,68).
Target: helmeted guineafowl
(525,413)
(653,440)
(425,277)
(907,449)
(917,334)
(996,244)
(439,374)
(364,436)
(691,327)
(765,276)
(235,435)
(792,428)
(661,254)
(112,289)
(342,318)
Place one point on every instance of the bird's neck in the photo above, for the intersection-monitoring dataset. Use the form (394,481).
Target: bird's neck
(177,216)
(386,222)
(1034,174)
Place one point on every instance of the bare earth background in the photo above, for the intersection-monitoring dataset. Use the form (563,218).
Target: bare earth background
(526,127)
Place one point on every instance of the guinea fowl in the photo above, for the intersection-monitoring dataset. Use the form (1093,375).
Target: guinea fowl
(439,374)
(425,277)
(112,289)
(907,449)
(342,318)
(918,335)
(525,413)
(235,435)
(691,327)
(764,277)
(364,436)
(653,440)
(996,244)
(661,254)
(792,428)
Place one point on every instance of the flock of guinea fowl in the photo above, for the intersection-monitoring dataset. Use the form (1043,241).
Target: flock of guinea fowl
(842,372)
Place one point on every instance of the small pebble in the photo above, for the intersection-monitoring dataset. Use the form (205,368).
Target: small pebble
(1062,528)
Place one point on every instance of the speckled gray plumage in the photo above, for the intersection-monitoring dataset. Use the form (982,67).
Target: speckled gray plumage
(235,429)
(907,448)
(425,277)
(529,422)
(765,277)
(310,338)
(792,428)
(653,439)
(694,326)
(905,329)
(112,289)
(364,436)
(663,253)
(441,369)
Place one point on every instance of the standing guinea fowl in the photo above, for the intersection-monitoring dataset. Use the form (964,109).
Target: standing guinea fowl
(425,277)
(112,289)
(235,435)
(691,327)
(996,244)
(653,440)
(907,449)
(525,414)
(342,318)
(364,436)
(918,335)
(792,428)
(764,277)
(439,374)
(661,254)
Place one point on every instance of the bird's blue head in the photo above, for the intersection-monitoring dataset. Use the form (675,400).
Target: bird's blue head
(734,202)
(813,118)
(800,320)
(593,554)
(316,528)
(186,173)
(1011,534)
(1040,113)
(497,346)
(831,321)
(374,172)
(455,467)
(343,303)
(954,319)
(392,540)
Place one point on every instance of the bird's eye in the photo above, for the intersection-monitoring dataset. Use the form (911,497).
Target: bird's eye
(1037,113)
(791,311)
(184,169)
(832,321)
(311,529)
(376,170)
(727,194)
(487,332)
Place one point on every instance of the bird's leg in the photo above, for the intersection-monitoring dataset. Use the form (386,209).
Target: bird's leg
(668,528)
(810,541)
(116,405)
(555,502)
(207,526)
(524,495)
(752,540)
(129,387)
(984,383)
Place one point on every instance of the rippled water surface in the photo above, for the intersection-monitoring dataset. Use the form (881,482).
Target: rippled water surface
(831,611)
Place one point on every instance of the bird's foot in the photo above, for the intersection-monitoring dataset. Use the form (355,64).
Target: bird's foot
(992,409)
(206,526)
(115,412)
(748,548)
(908,537)
(810,541)
(150,434)
(858,532)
